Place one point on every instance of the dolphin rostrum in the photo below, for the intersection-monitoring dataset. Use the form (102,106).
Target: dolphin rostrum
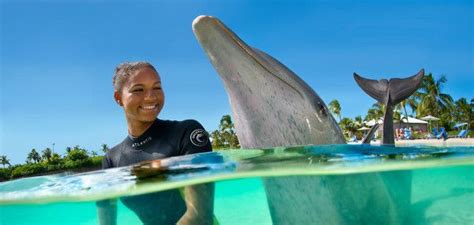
(389,93)
(273,107)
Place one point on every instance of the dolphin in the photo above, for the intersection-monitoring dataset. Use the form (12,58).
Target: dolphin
(390,93)
(273,107)
(264,93)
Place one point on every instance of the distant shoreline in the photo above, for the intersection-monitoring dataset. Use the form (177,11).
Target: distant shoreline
(450,142)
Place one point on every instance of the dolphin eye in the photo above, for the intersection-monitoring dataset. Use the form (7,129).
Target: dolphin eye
(322,109)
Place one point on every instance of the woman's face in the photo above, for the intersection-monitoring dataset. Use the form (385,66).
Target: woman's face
(141,97)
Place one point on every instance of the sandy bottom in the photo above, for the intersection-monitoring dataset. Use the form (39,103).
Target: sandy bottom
(435,142)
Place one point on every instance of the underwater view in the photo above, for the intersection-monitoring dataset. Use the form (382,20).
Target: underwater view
(336,184)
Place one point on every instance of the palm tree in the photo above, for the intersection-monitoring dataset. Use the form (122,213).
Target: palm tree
(464,111)
(4,161)
(402,106)
(105,148)
(225,137)
(33,156)
(432,100)
(47,153)
(227,132)
(348,126)
(375,112)
(217,142)
(358,120)
(335,108)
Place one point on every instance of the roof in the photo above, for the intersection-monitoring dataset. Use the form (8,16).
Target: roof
(372,122)
(413,120)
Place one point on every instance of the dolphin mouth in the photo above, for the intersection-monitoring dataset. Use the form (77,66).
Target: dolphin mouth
(203,24)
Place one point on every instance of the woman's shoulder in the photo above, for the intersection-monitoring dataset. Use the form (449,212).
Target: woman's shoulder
(182,124)
(116,150)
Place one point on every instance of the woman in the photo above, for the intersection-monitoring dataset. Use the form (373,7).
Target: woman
(139,92)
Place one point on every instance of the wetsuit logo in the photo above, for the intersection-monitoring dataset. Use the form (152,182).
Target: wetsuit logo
(199,137)
(139,144)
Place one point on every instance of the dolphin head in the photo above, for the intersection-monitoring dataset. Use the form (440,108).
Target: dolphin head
(271,105)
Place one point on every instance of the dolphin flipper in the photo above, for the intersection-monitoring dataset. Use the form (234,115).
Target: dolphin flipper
(369,135)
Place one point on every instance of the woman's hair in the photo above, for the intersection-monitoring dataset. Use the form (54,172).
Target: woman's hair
(125,70)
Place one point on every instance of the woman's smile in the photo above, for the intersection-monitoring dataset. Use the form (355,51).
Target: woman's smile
(150,108)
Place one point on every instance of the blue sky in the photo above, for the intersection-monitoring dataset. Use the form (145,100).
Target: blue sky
(58,58)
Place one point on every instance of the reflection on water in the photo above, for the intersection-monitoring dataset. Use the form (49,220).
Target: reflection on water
(335,185)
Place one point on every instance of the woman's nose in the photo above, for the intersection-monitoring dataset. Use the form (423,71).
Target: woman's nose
(151,95)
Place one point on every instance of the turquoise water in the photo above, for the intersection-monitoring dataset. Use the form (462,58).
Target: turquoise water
(423,185)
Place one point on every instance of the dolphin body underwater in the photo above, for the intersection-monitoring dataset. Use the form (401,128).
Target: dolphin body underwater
(273,107)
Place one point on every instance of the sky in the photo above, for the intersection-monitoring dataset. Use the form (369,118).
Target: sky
(58,58)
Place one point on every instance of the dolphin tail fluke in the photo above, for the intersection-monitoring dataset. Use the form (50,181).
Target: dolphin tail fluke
(396,89)
(400,89)
(389,93)
(376,89)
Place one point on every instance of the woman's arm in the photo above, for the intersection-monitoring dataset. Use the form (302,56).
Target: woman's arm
(200,204)
(107,212)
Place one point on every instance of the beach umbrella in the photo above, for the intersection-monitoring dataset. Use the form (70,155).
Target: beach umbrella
(430,118)
(364,128)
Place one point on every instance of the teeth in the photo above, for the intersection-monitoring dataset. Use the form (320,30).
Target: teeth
(149,107)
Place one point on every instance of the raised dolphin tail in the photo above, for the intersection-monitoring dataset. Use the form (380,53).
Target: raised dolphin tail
(376,89)
(389,93)
(398,89)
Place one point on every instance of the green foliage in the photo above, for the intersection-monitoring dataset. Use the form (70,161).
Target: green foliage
(55,159)
(76,158)
(97,160)
(5,173)
(348,127)
(432,100)
(225,137)
(375,112)
(77,154)
(69,164)
(4,160)
(105,148)
(46,154)
(28,170)
(335,108)
(464,111)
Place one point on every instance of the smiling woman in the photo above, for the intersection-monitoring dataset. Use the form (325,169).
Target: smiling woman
(138,91)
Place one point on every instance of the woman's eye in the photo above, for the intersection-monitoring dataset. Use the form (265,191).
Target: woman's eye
(137,90)
(157,88)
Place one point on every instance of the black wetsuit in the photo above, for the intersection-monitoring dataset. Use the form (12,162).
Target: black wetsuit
(163,139)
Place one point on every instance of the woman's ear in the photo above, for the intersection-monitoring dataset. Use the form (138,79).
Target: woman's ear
(118,98)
